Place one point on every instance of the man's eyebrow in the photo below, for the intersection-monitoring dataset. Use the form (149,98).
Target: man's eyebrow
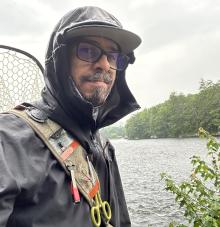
(111,47)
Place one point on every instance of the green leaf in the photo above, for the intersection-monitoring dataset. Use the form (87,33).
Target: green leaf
(200,195)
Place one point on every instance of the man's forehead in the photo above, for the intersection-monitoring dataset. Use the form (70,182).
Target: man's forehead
(103,42)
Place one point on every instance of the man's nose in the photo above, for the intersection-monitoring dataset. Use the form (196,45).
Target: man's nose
(103,63)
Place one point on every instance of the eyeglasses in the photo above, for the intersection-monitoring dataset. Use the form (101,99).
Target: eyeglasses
(90,52)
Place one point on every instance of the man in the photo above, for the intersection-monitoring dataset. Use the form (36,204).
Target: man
(85,90)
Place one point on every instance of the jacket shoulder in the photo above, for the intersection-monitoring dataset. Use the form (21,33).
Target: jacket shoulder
(23,152)
(9,121)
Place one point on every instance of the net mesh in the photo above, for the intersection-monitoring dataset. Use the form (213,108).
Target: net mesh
(21,79)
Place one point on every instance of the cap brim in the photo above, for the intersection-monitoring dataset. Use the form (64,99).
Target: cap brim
(127,40)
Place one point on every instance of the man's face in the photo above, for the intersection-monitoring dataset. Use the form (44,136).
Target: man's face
(93,80)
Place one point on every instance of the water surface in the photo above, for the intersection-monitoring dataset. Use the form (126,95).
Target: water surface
(141,162)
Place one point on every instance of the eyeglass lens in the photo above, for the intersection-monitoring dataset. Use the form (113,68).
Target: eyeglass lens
(92,53)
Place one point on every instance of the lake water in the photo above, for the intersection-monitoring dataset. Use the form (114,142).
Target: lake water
(141,162)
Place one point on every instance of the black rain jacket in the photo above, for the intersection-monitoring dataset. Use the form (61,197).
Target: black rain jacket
(34,189)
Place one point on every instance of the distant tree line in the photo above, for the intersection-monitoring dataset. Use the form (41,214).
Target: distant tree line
(115,131)
(180,116)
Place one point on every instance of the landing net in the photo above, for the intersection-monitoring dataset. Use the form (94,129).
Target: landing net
(21,77)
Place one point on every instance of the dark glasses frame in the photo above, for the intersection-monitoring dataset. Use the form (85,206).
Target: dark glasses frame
(108,54)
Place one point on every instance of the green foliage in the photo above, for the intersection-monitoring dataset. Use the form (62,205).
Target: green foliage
(179,116)
(114,132)
(200,195)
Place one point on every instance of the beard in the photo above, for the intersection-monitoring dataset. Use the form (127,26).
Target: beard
(99,95)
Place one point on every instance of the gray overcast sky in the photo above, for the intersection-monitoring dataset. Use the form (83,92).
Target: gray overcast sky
(181,39)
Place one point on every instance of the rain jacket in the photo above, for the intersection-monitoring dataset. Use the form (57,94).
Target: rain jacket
(34,189)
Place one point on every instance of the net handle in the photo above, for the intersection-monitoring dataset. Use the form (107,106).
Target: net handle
(24,53)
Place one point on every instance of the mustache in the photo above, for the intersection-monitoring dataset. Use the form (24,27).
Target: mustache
(98,76)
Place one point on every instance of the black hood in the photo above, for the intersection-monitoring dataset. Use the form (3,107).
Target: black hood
(61,100)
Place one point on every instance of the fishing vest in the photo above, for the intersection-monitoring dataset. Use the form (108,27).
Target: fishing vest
(69,153)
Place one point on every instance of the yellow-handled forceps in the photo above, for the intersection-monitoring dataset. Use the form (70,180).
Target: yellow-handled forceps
(101,209)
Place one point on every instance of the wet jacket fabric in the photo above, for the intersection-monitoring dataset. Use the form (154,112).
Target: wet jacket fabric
(34,189)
